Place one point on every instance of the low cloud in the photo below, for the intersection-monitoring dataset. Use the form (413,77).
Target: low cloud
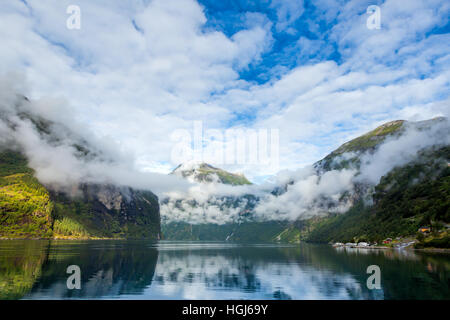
(397,151)
(309,191)
(65,153)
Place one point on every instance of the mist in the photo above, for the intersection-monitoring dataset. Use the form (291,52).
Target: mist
(64,153)
(309,191)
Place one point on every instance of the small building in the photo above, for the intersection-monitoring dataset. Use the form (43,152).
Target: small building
(363,244)
(387,240)
(424,229)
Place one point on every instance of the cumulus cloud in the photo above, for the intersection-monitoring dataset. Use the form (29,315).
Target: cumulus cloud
(135,72)
(287,13)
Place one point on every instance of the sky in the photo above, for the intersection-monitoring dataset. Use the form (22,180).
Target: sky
(140,73)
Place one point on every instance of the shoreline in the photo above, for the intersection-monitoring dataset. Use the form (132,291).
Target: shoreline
(369,248)
(437,250)
(74,239)
(409,248)
(440,250)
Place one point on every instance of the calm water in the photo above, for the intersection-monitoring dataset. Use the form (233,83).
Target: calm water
(199,270)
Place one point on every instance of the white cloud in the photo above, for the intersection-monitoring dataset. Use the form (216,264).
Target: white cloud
(135,86)
(287,13)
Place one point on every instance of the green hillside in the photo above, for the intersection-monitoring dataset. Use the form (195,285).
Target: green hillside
(20,266)
(370,139)
(25,205)
(365,143)
(236,232)
(29,210)
(408,197)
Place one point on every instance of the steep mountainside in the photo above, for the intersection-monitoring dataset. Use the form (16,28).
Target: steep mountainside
(356,147)
(246,231)
(30,210)
(25,205)
(349,154)
(409,196)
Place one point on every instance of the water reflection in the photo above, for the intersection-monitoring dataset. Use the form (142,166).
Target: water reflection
(247,272)
(20,266)
(183,270)
(108,269)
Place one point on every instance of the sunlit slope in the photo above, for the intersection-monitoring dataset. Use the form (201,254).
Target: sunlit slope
(25,205)
(409,196)
(30,210)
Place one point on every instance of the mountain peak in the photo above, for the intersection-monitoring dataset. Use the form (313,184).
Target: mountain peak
(193,165)
(369,141)
(204,172)
(371,138)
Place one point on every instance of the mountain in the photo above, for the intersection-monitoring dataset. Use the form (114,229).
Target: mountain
(28,209)
(239,206)
(358,146)
(349,154)
(203,172)
(32,209)
(410,195)
(243,231)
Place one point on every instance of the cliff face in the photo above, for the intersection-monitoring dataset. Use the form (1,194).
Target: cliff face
(107,211)
(30,210)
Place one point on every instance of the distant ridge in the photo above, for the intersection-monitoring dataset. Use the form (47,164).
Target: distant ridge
(206,173)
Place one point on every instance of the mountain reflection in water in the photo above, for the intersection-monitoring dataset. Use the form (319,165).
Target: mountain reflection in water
(33,269)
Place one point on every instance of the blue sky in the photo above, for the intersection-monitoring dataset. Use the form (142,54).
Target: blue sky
(138,71)
(294,18)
